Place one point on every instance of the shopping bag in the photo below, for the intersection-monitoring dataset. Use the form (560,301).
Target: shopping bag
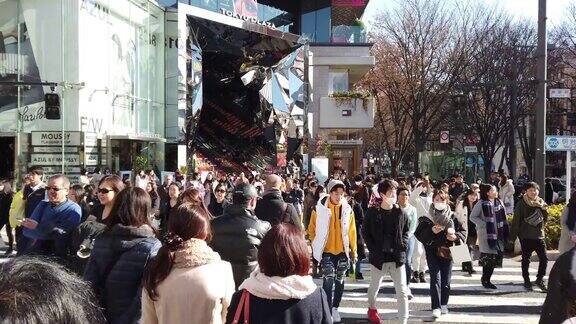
(460,254)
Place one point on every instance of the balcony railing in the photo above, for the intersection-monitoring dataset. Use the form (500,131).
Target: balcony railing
(348,34)
(347,113)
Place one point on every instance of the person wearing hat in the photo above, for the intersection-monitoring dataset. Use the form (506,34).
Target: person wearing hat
(332,230)
(238,232)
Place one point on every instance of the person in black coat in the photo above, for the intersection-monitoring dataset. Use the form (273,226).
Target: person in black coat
(437,231)
(237,234)
(385,231)
(272,207)
(120,255)
(218,201)
(280,290)
(561,298)
(359,219)
(5,202)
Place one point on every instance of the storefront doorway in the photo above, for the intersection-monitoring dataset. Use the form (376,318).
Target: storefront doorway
(7,162)
(128,155)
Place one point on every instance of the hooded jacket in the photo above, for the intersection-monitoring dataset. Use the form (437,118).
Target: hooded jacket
(319,228)
(273,209)
(236,236)
(277,300)
(116,267)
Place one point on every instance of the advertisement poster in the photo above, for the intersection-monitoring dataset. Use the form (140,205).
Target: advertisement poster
(320,166)
(10,43)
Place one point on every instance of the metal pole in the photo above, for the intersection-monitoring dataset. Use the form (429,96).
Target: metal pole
(568,174)
(540,154)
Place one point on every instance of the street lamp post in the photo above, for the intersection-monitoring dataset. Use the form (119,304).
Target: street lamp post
(540,154)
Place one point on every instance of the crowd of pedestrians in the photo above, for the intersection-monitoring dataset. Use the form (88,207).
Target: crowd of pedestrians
(230,249)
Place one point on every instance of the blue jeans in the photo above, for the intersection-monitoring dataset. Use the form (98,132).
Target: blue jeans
(358,269)
(333,271)
(409,253)
(440,277)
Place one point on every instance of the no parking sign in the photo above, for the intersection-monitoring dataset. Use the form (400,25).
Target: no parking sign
(444,137)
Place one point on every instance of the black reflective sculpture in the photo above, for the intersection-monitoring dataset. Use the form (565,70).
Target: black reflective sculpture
(233,129)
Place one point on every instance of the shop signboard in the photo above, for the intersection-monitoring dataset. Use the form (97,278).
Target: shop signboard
(560,143)
(58,169)
(54,149)
(346,142)
(55,138)
(470,149)
(54,159)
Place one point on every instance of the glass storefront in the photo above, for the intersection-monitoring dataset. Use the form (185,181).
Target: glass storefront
(105,60)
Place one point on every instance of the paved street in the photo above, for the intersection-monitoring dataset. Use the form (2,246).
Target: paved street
(469,301)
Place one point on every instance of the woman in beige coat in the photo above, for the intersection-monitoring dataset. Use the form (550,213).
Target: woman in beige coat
(187,282)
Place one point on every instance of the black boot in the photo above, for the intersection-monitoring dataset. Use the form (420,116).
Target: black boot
(415,277)
(540,284)
(421,277)
(488,285)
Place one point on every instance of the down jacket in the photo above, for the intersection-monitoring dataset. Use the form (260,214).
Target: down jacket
(236,236)
(273,209)
(116,267)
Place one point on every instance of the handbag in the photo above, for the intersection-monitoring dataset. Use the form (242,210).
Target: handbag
(460,254)
(535,218)
(243,305)
(443,252)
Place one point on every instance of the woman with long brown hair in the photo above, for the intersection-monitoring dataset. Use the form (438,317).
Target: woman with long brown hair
(193,195)
(120,255)
(187,282)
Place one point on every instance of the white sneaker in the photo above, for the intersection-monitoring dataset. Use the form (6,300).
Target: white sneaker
(436,313)
(335,315)
(444,309)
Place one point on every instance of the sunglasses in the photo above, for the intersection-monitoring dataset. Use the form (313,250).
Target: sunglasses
(220,190)
(104,190)
(54,188)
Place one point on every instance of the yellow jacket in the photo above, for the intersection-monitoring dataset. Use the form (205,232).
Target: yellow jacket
(330,234)
(17,209)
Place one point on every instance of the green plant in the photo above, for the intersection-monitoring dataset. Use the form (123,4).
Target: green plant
(553,227)
(141,162)
(345,97)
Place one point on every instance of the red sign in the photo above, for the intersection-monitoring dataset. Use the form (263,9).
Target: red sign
(444,137)
(349,3)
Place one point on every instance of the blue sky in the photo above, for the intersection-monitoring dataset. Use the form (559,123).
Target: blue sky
(521,8)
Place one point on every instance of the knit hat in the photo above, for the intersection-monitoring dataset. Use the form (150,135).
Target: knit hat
(334,185)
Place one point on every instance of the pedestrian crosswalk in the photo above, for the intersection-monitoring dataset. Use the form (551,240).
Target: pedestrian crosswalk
(469,301)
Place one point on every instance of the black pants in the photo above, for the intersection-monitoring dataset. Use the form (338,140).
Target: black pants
(440,277)
(5,222)
(529,246)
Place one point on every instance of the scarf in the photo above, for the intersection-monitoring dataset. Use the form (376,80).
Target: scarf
(283,288)
(194,253)
(441,217)
(536,202)
(496,223)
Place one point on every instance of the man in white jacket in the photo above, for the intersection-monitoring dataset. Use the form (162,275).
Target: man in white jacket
(421,198)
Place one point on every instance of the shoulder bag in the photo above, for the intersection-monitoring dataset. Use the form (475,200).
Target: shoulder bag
(243,305)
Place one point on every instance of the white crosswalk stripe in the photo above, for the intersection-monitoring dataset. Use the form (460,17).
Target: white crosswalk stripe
(469,301)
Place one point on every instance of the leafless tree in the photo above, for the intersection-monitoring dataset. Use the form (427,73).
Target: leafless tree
(497,87)
(428,45)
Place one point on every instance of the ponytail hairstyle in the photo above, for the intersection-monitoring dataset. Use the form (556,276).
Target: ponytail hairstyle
(187,221)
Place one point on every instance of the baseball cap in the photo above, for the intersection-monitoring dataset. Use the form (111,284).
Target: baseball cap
(243,192)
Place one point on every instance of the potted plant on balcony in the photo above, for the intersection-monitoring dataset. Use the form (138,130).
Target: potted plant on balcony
(350,97)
